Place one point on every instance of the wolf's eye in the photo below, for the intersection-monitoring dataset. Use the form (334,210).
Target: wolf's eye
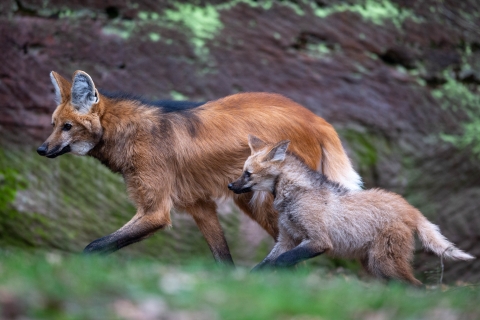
(248,174)
(67,126)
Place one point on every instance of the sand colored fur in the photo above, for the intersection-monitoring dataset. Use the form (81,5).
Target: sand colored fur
(185,159)
(318,216)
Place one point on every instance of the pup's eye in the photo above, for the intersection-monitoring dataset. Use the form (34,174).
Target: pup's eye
(67,126)
(248,174)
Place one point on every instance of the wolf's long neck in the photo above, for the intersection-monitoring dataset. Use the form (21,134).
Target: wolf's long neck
(128,130)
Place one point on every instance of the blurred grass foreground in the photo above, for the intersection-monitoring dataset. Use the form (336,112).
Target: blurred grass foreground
(62,286)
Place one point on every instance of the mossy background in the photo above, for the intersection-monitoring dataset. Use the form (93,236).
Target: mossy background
(66,204)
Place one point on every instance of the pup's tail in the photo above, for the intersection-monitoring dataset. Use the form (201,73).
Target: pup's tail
(335,163)
(432,239)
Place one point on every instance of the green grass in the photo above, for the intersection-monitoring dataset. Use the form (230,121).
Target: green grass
(46,285)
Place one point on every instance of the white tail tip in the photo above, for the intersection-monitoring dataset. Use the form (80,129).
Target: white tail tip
(457,254)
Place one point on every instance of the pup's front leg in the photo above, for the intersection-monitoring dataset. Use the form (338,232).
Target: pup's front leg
(305,250)
(284,243)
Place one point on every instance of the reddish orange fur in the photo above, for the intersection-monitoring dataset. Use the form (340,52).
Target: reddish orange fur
(185,160)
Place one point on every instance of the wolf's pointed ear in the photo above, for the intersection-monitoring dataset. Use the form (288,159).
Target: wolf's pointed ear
(278,152)
(255,143)
(84,94)
(62,87)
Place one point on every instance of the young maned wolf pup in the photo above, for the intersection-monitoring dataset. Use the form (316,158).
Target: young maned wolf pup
(317,215)
(182,155)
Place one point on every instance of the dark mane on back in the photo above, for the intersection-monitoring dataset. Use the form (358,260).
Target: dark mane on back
(167,106)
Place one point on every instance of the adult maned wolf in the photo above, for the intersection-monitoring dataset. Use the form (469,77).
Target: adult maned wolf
(184,156)
(317,215)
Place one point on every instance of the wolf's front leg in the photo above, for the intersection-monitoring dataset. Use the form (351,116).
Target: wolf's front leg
(284,244)
(141,226)
(305,250)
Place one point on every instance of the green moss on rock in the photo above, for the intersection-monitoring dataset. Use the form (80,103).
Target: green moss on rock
(376,11)
(67,202)
(362,144)
(457,96)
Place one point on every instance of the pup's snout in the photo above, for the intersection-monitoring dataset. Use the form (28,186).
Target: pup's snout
(238,188)
(42,150)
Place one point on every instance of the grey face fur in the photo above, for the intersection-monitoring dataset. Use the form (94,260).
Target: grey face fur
(261,168)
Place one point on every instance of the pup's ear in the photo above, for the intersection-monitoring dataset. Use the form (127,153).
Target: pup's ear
(255,143)
(278,152)
(84,94)
(62,87)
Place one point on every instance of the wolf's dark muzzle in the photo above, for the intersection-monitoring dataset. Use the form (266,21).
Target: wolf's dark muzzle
(42,150)
(55,152)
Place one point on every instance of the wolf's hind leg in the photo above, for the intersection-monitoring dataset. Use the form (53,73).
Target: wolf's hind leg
(205,215)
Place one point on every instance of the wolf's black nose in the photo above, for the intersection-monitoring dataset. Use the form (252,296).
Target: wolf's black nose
(230,186)
(42,150)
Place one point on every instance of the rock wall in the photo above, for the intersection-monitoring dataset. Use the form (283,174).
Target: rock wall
(398,79)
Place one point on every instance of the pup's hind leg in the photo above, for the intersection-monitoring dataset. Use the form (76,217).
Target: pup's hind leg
(391,269)
(391,255)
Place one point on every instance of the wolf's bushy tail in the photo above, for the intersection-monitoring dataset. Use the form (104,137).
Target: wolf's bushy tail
(432,239)
(335,163)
